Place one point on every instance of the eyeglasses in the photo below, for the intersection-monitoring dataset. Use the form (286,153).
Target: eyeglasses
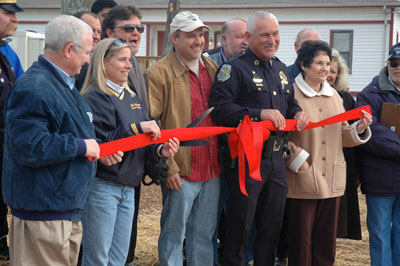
(86,52)
(128,28)
(394,64)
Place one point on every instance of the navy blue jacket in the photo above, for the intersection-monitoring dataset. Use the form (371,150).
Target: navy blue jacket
(294,71)
(118,116)
(381,157)
(45,124)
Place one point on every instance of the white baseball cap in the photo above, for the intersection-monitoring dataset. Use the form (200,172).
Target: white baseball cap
(186,21)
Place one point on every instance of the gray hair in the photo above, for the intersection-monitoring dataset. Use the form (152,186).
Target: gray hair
(225,28)
(301,33)
(251,22)
(65,29)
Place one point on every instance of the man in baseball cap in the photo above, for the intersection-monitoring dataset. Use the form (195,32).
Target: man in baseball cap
(10,6)
(178,88)
(381,159)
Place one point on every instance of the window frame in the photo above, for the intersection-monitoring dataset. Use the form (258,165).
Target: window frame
(351,41)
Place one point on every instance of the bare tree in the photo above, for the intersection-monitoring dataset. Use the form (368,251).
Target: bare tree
(173,9)
(70,7)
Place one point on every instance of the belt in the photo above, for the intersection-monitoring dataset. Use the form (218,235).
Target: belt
(274,144)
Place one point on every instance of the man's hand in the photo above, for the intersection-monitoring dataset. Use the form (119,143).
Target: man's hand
(275,116)
(364,122)
(170,148)
(302,120)
(152,128)
(92,149)
(112,159)
(174,182)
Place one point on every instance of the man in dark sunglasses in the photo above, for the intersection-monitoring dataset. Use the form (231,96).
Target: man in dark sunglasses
(124,22)
(380,173)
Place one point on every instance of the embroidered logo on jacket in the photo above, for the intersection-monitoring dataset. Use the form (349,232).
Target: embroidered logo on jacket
(136,106)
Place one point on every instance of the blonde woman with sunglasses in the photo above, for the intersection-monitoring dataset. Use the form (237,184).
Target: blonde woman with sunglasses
(117,113)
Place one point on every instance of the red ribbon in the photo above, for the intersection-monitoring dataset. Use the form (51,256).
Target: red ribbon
(245,141)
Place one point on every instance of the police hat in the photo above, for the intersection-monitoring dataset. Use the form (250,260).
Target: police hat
(10,5)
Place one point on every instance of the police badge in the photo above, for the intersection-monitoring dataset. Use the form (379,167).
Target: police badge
(224,73)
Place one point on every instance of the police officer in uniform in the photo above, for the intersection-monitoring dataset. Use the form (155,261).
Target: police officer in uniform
(256,84)
(7,78)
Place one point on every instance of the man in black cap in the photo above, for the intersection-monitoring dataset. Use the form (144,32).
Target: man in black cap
(8,25)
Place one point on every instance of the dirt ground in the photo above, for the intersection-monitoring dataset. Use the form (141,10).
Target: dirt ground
(349,252)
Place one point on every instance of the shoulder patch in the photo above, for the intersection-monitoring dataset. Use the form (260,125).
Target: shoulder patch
(224,72)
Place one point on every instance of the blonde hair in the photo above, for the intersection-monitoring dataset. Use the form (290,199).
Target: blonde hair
(95,76)
(341,82)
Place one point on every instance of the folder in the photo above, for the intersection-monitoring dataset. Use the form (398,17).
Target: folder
(390,116)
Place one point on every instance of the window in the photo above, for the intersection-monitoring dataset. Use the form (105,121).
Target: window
(342,40)
(218,39)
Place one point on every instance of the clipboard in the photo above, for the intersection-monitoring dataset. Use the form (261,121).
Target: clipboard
(390,116)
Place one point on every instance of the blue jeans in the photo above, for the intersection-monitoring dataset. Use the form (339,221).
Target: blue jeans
(192,210)
(383,221)
(107,224)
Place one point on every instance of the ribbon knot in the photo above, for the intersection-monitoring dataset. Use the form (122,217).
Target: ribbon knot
(247,142)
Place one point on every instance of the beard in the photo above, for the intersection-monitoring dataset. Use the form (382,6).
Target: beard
(9,29)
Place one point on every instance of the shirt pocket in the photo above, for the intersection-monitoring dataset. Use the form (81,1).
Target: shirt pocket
(257,94)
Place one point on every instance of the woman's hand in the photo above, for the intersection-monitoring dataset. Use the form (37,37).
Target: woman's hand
(364,122)
(112,159)
(170,148)
(304,166)
(152,128)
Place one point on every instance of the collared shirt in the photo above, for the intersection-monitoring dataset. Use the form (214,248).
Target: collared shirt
(224,59)
(118,89)
(67,78)
(204,159)
(326,89)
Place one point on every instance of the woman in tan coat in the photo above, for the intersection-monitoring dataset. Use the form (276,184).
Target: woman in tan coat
(316,169)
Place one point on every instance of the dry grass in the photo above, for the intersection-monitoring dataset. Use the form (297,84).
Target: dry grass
(349,252)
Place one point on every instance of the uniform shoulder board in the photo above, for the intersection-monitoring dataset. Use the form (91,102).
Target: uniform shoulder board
(276,58)
(224,72)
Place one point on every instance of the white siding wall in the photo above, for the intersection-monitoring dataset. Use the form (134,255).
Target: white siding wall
(367,50)
(396,28)
(368,45)
(143,44)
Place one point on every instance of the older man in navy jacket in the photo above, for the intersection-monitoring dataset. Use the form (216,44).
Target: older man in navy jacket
(48,136)
(380,179)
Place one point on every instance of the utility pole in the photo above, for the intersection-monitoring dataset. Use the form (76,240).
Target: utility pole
(173,9)
(70,7)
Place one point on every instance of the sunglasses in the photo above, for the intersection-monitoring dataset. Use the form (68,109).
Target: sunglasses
(117,42)
(128,28)
(394,64)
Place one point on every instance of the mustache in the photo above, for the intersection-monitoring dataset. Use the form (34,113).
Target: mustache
(269,45)
(12,26)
